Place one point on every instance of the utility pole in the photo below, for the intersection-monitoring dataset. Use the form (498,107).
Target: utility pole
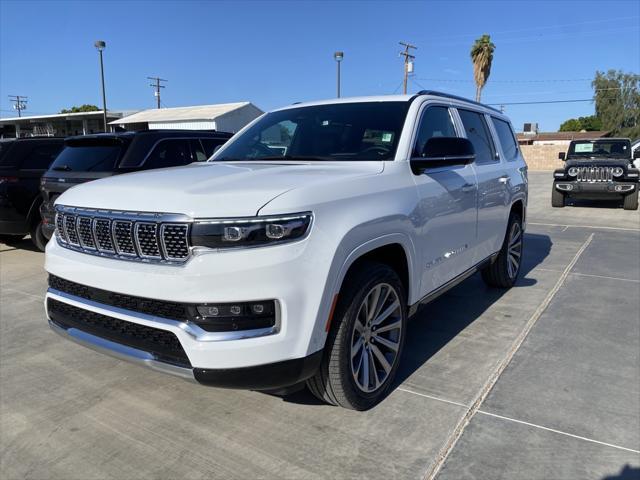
(408,63)
(19,103)
(157,87)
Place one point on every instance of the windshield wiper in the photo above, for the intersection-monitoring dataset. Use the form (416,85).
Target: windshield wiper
(62,168)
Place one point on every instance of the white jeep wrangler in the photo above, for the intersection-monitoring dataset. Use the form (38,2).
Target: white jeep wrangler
(299,251)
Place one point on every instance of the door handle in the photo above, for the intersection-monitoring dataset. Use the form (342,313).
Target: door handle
(503,179)
(468,187)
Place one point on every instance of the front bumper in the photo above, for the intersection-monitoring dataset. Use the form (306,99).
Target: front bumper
(598,189)
(289,274)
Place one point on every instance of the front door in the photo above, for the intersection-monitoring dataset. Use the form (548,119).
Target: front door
(446,213)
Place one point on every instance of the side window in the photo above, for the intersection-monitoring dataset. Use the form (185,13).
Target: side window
(169,153)
(197,151)
(210,145)
(41,157)
(435,122)
(506,138)
(478,134)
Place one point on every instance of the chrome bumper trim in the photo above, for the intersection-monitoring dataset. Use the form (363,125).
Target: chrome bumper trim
(191,329)
(121,352)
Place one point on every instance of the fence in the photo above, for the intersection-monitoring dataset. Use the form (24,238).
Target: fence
(543,157)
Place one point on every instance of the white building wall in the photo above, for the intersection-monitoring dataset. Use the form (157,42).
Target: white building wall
(235,120)
(184,125)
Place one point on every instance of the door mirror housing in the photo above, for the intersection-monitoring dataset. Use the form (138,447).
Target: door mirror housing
(636,153)
(562,156)
(443,152)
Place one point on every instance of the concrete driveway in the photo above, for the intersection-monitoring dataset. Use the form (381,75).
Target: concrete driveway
(542,381)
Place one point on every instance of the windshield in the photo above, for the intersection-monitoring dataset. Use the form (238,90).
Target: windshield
(600,148)
(343,131)
(87,158)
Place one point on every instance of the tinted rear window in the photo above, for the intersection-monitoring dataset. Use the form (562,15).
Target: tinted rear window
(88,158)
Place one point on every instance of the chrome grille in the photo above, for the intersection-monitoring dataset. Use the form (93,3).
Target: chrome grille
(595,174)
(125,235)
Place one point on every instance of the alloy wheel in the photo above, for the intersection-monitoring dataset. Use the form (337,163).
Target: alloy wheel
(514,250)
(376,336)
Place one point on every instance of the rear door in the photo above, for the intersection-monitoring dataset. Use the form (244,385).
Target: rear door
(492,183)
(447,206)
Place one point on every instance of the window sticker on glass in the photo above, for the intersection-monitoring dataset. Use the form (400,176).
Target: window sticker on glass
(584,147)
(387,137)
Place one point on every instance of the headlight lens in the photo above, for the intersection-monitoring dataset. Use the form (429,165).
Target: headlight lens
(250,231)
(617,172)
(573,171)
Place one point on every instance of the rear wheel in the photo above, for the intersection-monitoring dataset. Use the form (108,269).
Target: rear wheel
(557,198)
(631,201)
(503,272)
(37,237)
(365,342)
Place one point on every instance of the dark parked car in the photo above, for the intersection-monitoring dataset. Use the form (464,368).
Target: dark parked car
(22,163)
(600,169)
(91,157)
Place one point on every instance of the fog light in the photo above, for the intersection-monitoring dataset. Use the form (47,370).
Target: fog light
(226,317)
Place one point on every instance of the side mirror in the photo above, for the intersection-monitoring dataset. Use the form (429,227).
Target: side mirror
(562,156)
(442,152)
(636,154)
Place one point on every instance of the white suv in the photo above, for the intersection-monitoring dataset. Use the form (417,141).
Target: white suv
(298,252)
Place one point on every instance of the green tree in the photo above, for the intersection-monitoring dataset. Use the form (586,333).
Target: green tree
(81,108)
(617,98)
(590,124)
(482,57)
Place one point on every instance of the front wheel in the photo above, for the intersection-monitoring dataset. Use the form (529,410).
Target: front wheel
(503,272)
(365,342)
(37,237)
(631,201)
(557,198)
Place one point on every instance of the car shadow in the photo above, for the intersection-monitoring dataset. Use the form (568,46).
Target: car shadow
(604,204)
(23,244)
(626,473)
(437,323)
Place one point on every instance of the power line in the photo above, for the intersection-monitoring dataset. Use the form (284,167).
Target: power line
(453,80)
(408,62)
(157,86)
(541,102)
(19,103)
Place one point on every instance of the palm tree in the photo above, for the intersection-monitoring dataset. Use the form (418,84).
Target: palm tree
(482,56)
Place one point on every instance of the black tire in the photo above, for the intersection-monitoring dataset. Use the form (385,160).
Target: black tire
(37,237)
(10,239)
(557,198)
(500,274)
(336,382)
(631,201)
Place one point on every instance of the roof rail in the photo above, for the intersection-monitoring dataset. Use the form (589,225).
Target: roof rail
(456,97)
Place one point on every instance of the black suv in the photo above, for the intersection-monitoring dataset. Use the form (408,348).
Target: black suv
(599,169)
(22,163)
(91,157)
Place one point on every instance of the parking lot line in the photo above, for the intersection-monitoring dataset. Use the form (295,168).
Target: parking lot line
(591,275)
(495,374)
(431,397)
(584,226)
(557,431)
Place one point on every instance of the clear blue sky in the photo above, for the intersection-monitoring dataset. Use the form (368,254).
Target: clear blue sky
(275,53)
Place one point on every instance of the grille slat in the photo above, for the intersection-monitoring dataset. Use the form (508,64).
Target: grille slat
(595,174)
(107,233)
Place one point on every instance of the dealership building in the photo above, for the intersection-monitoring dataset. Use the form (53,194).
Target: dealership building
(224,117)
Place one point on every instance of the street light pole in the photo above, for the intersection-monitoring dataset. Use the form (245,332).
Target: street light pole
(338,56)
(100,45)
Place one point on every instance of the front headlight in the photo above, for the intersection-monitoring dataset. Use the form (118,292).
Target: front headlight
(617,171)
(573,171)
(250,231)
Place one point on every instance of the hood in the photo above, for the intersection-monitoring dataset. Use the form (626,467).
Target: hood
(229,189)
